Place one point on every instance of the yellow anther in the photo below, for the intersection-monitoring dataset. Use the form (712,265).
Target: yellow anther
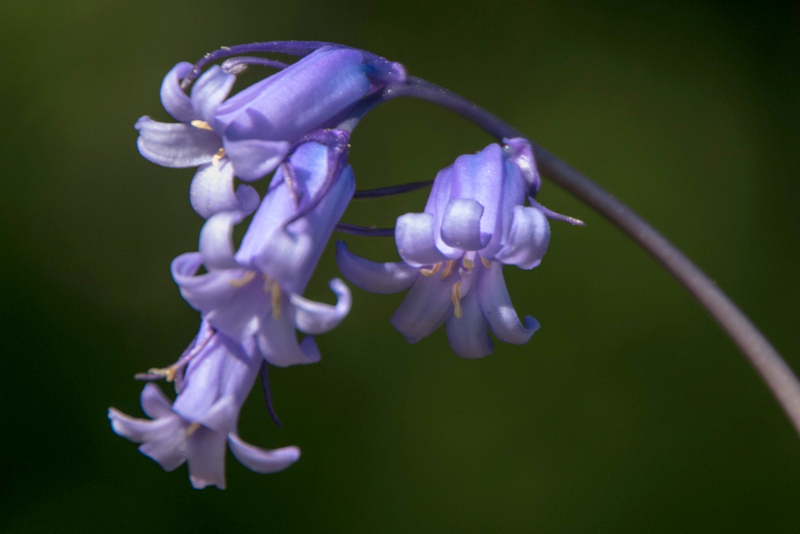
(468,264)
(448,268)
(192,428)
(167,372)
(431,272)
(267,284)
(243,281)
(485,262)
(276,301)
(457,299)
(203,125)
(218,156)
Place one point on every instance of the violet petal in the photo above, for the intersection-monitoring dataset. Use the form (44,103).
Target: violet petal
(374,277)
(461,225)
(527,240)
(255,158)
(414,235)
(209,91)
(206,456)
(176,144)
(317,318)
(262,460)
(469,334)
(175,101)
(496,304)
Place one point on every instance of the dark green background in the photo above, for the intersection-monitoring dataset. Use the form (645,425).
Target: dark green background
(628,411)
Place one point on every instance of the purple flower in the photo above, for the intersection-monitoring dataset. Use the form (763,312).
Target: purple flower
(453,253)
(196,427)
(256,293)
(249,134)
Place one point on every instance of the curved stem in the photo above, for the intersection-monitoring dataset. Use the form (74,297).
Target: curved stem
(777,375)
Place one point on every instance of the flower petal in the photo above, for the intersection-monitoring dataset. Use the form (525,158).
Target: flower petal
(461,225)
(216,240)
(277,341)
(176,144)
(481,177)
(209,91)
(469,334)
(527,239)
(201,383)
(414,234)
(317,318)
(374,277)
(170,451)
(206,455)
(154,403)
(497,308)
(262,460)
(232,301)
(254,158)
(521,155)
(222,415)
(212,191)
(322,85)
(426,306)
(288,253)
(174,100)
(141,430)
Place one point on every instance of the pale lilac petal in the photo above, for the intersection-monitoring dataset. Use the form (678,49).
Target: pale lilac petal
(480,177)
(176,144)
(170,451)
(461,225)
(521,155)
(317,318)
(255,158)
(209,91)
(206,455)
(154,403)
(469,334)
(232,301)
(262,460)
(374,277)
(216,240)
(212,191)
(527,239)
(323,85)
(496,305)
(201,382)
(141,430)
(288,254)
(426,306)
(277,341)
(241,368)
(414,234)
(221,417)
(174,100)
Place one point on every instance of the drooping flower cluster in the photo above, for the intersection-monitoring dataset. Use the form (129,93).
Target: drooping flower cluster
(296,124)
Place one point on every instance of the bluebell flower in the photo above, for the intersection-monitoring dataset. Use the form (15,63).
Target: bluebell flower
(203,418)
(453,253)
(255,294)
(250,133)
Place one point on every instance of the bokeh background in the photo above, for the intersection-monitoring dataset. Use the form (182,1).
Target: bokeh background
(628,411)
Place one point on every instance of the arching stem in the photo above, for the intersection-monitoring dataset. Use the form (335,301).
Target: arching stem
(774,371)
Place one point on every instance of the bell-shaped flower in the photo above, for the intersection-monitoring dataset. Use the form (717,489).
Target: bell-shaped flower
(203,418)
(256,293)
(249,134)
(453,253)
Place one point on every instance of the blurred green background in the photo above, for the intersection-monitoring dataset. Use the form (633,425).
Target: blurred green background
(628,411)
